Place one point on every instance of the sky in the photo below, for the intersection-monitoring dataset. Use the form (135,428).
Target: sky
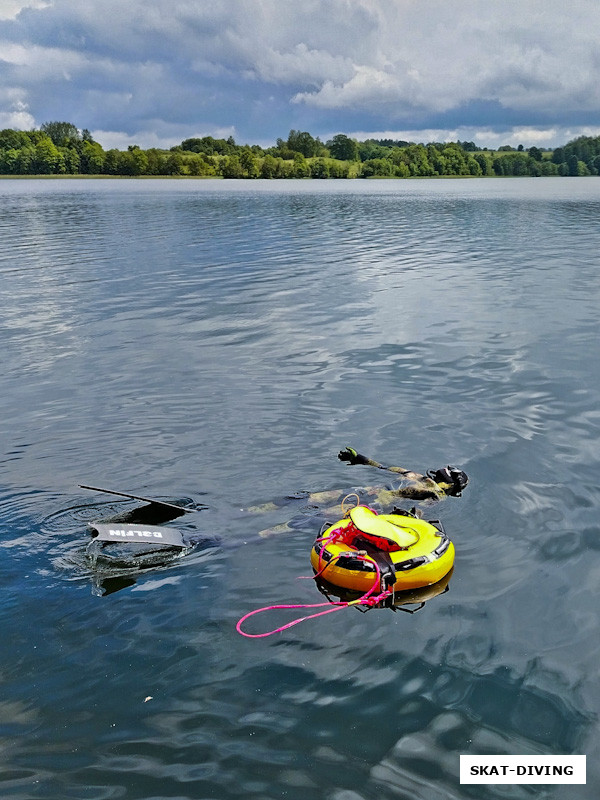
(155,72)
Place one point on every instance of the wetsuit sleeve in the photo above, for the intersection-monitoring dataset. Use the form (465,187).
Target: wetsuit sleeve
(352,457)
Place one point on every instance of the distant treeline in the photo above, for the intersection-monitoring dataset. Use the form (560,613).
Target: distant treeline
(60,148)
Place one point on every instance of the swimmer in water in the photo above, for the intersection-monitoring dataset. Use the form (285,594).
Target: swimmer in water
(433,486)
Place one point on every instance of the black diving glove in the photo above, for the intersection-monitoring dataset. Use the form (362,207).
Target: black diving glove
(352,457)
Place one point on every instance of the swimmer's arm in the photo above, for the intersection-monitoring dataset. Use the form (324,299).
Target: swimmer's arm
(352,457)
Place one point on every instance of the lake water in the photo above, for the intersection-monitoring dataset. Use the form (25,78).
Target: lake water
(218,343)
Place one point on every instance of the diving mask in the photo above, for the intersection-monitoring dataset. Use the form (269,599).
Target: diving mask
(450,475)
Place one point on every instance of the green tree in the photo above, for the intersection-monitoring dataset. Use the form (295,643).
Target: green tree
(198,166)
(343,148)
(499,165)
(281,150)
(13,140)
(583,149)
(25,164)
(416,157)
(301,166)
(381,167)
(573,164)
(209,146)
(485,163)
(232,168)
(302,142)
(111,162)
(474,167)
(516,163)
(71,162)
(195,166)
(9,161)
(133,161)
(91,158)
(548,168)
(319,168)
(156,162)
(196,145)
(285,168)
(401,170)
(339,169)
(174,164)
(61,133)
(438,161)
(456,163)
(370,149)
(47,159)
(249,164)
(321,150)
(268,168)
(519,164)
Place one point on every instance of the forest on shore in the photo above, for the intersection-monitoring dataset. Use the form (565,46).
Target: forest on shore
(60,148)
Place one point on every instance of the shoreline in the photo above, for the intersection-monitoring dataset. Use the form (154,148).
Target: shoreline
(54,177)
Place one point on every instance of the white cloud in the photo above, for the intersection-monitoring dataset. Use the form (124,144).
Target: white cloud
(300,65)
(367,85)
(44,62)
(14,112)
(17,120)
(436,56)
(120,140)
(9,9)
(483,137)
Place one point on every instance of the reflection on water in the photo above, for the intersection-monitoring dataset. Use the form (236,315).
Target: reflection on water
(221,341)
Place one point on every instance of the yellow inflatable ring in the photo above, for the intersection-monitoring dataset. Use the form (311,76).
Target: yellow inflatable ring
(420,552)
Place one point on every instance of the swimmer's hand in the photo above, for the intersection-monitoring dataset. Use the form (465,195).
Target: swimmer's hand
(351,456)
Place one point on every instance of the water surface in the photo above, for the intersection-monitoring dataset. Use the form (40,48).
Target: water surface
(218,342)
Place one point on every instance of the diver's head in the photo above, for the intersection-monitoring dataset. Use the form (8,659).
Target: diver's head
(451,479)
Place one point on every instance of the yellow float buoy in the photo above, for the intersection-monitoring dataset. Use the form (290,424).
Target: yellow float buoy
(409,553)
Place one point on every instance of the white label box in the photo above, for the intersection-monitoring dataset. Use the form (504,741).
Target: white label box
(522,769)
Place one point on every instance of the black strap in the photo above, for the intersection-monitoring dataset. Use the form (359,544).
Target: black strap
(387,570)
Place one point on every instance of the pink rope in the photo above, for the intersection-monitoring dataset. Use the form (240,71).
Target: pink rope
(238,627)
(367,600)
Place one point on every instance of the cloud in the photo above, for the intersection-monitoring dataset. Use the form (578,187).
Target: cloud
(160,136)
(9,9)
(16,120)
(368,87)
(300,65)
(14,112)
(430,57)
(483,137)
(261,66)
